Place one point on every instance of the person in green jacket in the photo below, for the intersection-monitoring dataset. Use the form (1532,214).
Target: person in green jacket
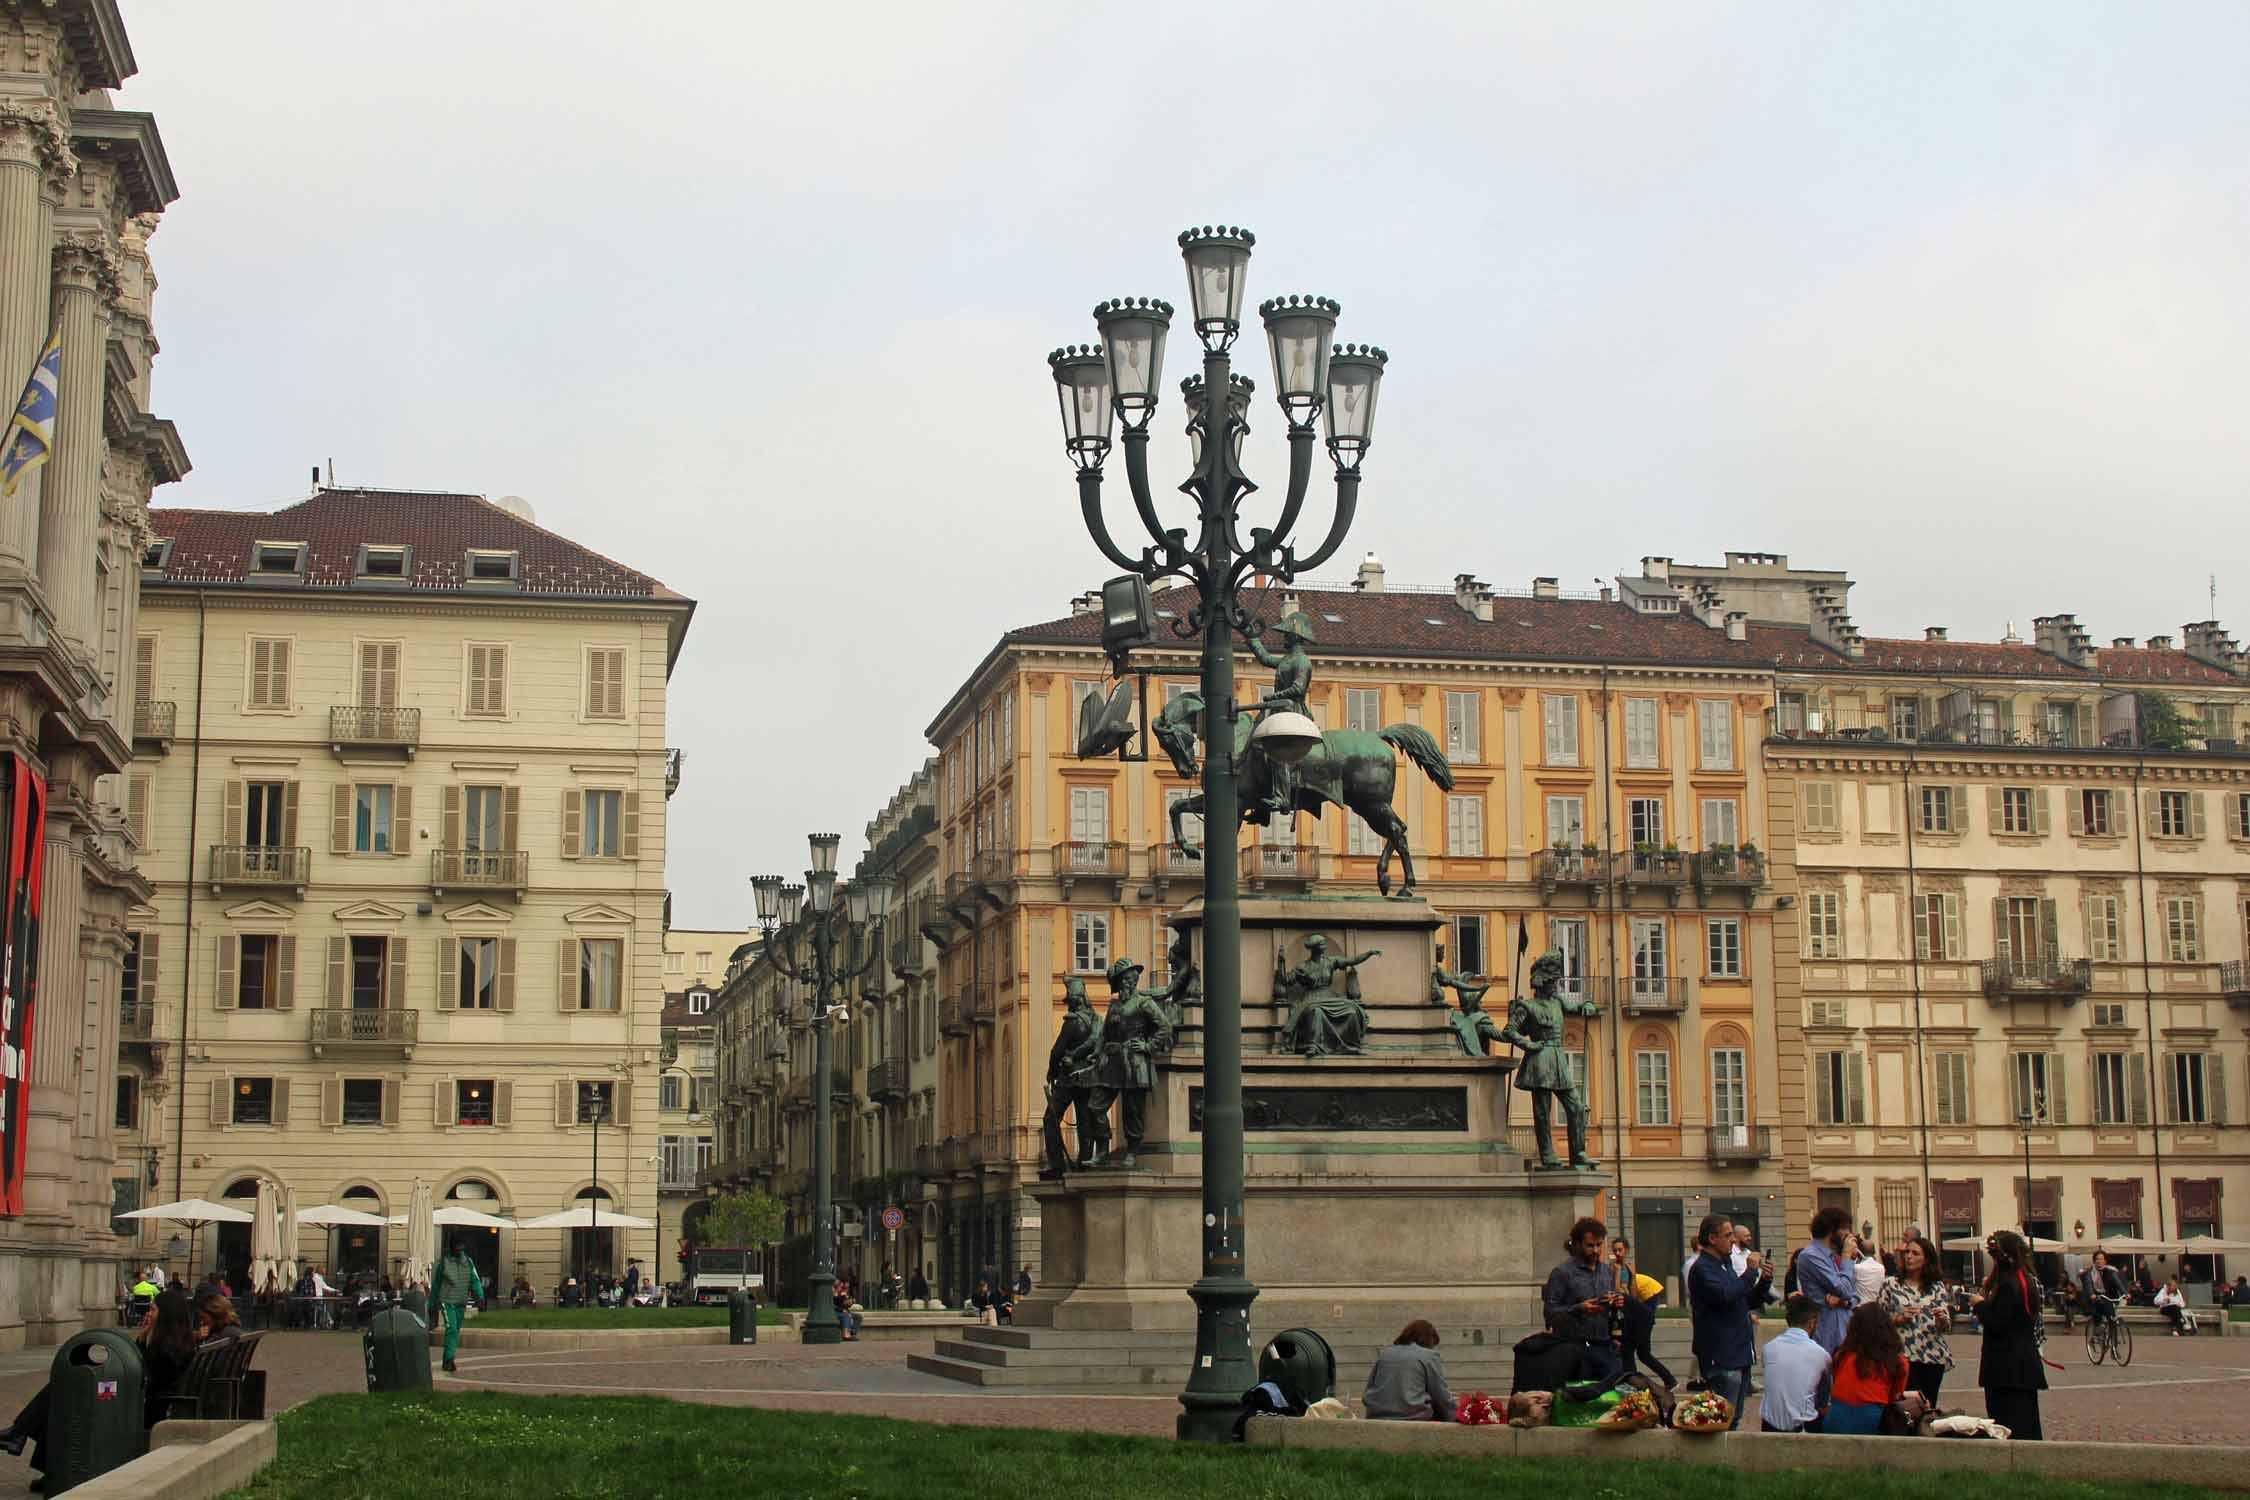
(457,1284)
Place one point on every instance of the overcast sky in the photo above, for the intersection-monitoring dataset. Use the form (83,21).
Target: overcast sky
(756,298)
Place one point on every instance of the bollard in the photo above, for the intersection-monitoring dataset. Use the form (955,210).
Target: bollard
(397,1346)
(742,1317)
(1301,1363)
(94,1419)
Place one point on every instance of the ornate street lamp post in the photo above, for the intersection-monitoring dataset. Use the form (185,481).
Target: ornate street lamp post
(822,944)
(1114,384)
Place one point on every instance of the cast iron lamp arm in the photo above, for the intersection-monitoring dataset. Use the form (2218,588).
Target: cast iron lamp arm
(1347,504)
(1090,506)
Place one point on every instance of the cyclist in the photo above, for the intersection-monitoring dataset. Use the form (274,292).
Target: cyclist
(2105,1289)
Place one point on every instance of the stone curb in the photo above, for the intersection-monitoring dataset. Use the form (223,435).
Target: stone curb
(2213,1468)
(189,1461)
(609,1338)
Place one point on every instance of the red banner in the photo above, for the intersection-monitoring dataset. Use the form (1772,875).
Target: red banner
(25,805)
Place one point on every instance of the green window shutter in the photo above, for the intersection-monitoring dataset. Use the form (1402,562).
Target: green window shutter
(2120,812)
(2001,949)
(2136,1087)
(2041,797)
(2075,806)
(2195,814)
(2050,930)
(340,818)
(339,965)
(1824,1088)
(402,820)
(2171,1089)
(1995,802)
(1856,1088)
(2058,1094)
(2215,1086)
(224,993)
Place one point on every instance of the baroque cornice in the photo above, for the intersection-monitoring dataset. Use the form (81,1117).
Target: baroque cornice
(2057,765)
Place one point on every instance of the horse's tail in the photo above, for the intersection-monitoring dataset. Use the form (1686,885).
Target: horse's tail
(1420,749)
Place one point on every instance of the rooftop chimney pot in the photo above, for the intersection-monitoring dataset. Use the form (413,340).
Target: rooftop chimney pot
(1370,578)
(1933,632)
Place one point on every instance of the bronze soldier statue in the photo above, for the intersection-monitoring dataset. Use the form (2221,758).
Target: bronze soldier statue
(1077,1044)
(1134,1031)
(1292,680)
(1535,1025)
(1472,1028)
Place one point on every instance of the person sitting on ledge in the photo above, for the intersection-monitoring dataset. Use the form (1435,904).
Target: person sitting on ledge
(1408,1381)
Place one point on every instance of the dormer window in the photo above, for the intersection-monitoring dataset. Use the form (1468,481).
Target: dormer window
(159,554)
(483,566)
(278,559)
(698,1002)
(383,563)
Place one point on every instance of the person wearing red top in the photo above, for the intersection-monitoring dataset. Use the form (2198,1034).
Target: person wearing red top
(1867,1374)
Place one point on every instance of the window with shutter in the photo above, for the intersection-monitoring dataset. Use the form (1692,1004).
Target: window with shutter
(1714,721)
(1566,822)
(1950,1096)
(378,674)
(1723,946)
(1464,728)
(1824,925)
(487,695)
(144,669)
(1820,807)
(2112,1101)
(605,683)
(1464,825)
(2183,929)
(1652,1088)
(1720,823)
(269,673)
(2104,932)
(1363,709)
(1561,711)
(136,812)
(1643,737)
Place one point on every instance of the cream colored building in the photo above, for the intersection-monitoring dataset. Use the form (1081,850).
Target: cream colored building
(687,1087)
(399,788)
(82,184)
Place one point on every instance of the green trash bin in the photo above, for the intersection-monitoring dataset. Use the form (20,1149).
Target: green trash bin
(94,1419)
(1301,1363)
(397,1345)
(742,1317)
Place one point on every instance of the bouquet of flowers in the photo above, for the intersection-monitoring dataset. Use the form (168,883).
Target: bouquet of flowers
(1634,1412)
(1478,1410)
(1703,1411)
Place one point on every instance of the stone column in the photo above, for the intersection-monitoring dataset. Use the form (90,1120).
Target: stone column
(57,1019)
(33,152)
(70,506)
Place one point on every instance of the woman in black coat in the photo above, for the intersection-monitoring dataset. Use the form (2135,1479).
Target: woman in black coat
(2011,1371)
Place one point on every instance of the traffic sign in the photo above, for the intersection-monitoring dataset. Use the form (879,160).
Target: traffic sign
(894,1218)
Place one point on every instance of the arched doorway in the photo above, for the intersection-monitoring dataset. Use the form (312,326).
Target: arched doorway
(233,1258)
(483,1245)
(357,1251)
(594,1251)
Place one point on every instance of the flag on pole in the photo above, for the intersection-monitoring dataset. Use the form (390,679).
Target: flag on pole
(31,434)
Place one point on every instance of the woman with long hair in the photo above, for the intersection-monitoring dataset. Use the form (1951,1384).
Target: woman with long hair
(167,1348)
(1408,1381)
(1920,1307)
(2010,1370)
(1867,1374)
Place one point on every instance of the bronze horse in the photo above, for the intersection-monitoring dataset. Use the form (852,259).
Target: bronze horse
(1350,767)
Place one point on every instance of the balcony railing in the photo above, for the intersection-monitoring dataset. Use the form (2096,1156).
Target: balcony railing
(395,728)
(1167,863)
(953,1017)
(983,1002)
(265,865)
(994,868)
(1738,1143)
(675,761)
(385,1027)
(1653,867)
(1559,867)
(1653,994)
(2040,978)
(1088,859)
(887,1079)
(145,1022)
(930,918)
(1262,862)
(155,721)
(2234,983)
(1730,869)
(480,870)
(929,1159)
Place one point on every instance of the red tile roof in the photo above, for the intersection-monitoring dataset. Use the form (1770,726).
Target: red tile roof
(1793,650)
(214,546)
(1433,624)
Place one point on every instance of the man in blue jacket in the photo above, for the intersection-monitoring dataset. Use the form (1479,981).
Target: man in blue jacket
(1823,1276)
(1720,1301)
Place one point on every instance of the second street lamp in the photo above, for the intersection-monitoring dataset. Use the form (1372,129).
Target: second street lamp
(823,946)
(1111,386)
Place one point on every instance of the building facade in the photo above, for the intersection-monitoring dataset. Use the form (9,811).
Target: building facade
(82,186)
(399,789)
(687,1085)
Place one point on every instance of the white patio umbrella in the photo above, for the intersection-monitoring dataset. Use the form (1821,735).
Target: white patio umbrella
(2211,1244)
(421,1237)
(265,1237)
(191,1214)
(336,1216)
(582,1216)
(290,1229)
(454,1216)
(2126,1244)
(2039,1245)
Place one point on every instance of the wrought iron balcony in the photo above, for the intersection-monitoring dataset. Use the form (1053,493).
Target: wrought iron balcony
(265,866)
(2234,983)
(390,1027)
(1088,859)
(1653,994)
(1280,864)
(929,1159)
(1744,1144)
(983,1002)
(1561,867)
(153,723)
(962,893)
(1730,869)
(953,1017)
(1166,862)
(146,1024)
(1654,869)
(930,918)
(504,870)
(675,761)
(374,728)
(995,869)
(2038,978)
(887,1079)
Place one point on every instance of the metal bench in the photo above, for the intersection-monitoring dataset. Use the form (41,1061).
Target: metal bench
(218,1384)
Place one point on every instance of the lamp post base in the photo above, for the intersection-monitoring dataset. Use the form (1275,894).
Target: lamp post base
(1223,1367)
(820,1326)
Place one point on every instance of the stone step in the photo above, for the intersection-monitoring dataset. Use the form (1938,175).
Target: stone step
(1087,1377)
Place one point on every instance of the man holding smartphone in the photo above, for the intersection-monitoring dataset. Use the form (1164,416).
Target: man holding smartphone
(1581,1296)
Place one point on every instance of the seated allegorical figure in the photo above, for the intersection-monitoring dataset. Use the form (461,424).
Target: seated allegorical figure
(1321,1021)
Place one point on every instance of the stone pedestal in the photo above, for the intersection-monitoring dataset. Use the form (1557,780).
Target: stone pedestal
(1380,1186)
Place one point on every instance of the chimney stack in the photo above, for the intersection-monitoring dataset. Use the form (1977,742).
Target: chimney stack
(1089,603)
(1933,632)
(2063,638)
(2207,643)
(1738,625)
(2122,643)
(1473,596)
(1657,569)
(2159,643)
(1546,588)
(1370,579)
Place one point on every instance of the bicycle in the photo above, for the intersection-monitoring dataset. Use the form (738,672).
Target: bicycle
(2107,1336)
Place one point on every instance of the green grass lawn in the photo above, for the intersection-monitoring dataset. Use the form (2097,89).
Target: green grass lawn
(561,1448)
(616,1317)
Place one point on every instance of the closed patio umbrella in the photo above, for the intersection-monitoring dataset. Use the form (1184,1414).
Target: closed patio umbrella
(421,1237)
(265,1237)
(290,1229)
